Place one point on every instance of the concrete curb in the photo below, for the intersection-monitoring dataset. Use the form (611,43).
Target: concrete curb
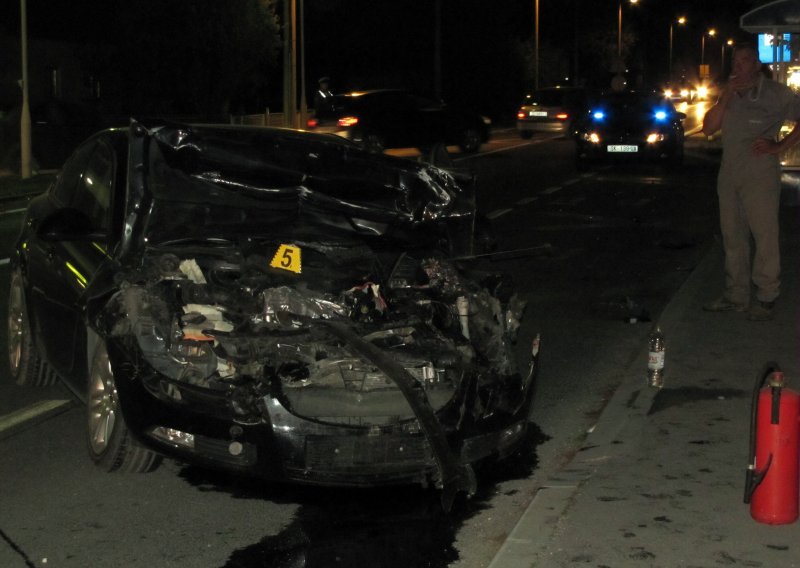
(631,401)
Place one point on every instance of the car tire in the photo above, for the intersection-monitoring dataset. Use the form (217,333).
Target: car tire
(374,143)
(526,134)
(108,439)
(470,141)
(25,364)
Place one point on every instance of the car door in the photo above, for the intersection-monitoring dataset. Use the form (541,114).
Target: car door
(394,116)
(64,250)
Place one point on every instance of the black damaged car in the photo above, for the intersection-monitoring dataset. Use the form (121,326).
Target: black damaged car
(273,302)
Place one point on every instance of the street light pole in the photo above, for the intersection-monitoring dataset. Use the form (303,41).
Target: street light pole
(710,32)
(619,27)
(303,102)
(437,52)
(536,45)
(722,59)
(25,117)
(681,20)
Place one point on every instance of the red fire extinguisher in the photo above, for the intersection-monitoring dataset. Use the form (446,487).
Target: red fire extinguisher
(772,482)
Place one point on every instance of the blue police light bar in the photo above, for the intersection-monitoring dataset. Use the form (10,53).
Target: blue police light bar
(660,115)
(598,115)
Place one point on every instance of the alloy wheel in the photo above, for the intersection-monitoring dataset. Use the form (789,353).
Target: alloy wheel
(16,327)
(102,403)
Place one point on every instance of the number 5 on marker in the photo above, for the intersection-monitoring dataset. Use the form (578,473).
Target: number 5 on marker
(287,257)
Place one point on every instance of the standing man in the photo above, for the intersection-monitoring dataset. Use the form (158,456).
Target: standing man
(750,112)
(322,98)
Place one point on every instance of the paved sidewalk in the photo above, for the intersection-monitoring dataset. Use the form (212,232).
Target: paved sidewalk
(660,479)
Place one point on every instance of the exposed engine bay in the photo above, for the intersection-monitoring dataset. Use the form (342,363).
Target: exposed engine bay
(237,327)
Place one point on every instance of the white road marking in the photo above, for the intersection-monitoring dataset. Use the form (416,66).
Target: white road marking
(39,410)
(514,147)
(4,261)
(498,213)
(527,200)
(552,189)
(10,211)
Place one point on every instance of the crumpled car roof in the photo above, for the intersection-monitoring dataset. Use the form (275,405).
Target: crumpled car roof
(205,181)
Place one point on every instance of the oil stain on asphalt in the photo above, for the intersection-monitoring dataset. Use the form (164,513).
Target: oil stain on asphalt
(382,528)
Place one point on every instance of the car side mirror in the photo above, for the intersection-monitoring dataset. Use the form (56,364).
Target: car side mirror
(70,225)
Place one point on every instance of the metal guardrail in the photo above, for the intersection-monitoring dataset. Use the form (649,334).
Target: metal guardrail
(274,119)
(262,119)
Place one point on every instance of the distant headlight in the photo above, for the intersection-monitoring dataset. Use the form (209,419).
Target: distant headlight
(702,92)
(347,121)
(668,93)
(486,120)
(592,137)
(685,93)
(655,137)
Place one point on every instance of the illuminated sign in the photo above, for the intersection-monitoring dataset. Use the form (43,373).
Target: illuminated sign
(766,52)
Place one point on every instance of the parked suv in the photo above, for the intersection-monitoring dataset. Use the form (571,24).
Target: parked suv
(550,110)
(392,118)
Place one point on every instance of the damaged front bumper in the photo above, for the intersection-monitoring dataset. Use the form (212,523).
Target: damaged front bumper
(312,400)
(204,428)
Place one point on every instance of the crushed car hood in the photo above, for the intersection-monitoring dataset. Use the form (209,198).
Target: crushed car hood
(200,183)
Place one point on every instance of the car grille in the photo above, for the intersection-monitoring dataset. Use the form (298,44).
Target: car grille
(333,453)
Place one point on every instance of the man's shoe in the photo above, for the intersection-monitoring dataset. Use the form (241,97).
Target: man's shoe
(723,304)
(761,311)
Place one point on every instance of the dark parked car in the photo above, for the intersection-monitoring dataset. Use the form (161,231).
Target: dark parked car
(630,125)
(390,118)
(274,302)
(551,110)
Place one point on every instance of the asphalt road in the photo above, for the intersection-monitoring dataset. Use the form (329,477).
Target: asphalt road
(596,255)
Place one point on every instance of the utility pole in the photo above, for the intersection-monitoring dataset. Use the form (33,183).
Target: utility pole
(25,117)
(303,102)
(293,80)
(536,45)
(437,56)
(290,63)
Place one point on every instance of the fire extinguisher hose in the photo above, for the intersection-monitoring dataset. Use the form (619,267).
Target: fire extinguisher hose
(752,478)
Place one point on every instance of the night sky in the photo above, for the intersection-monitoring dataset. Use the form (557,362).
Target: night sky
(373,43)
(346,27)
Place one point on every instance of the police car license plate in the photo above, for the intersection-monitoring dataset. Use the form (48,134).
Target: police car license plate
(625,148)
(537,113)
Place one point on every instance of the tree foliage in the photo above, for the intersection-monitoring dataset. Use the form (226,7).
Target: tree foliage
(198,57)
